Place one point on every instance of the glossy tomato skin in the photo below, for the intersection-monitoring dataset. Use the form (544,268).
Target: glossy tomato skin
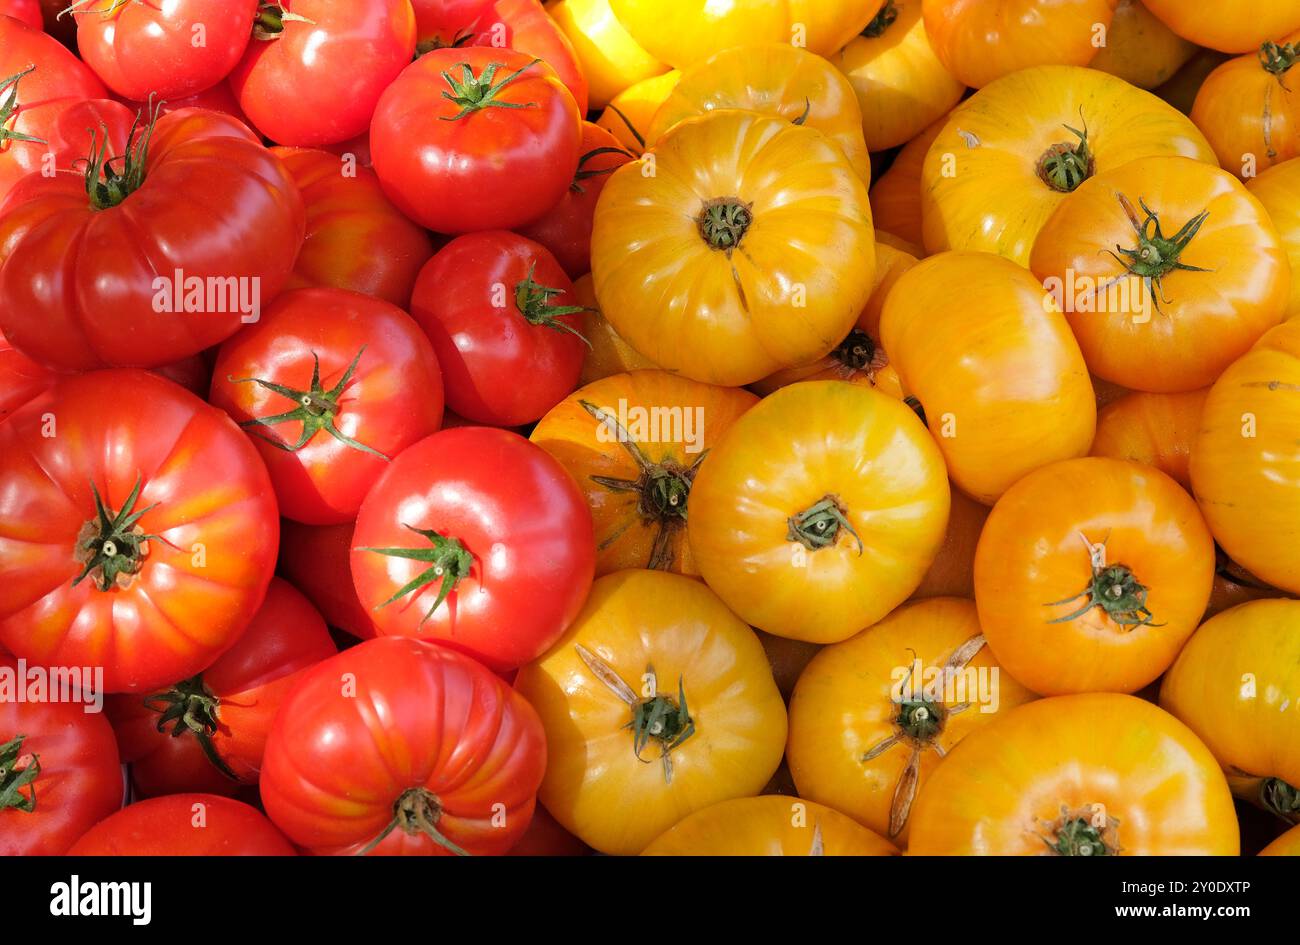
(392,399)
(240,693)
(771,825)
(184,825)
(1154,429)
(316,83)
(496,167)
(565,229)
(217,98)
(346,208)
(420,720)
(896,196)
(80,781)
(316,559)
(28,11)
(21,378)
(1235,26)
(59,305)
(142,49)
(609,353)
(609,57)
(505,364)
(1278,189)
(518,515)
(211,524)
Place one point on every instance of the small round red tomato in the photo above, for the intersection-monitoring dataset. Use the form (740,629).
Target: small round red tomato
(138,530)
(316,559)
(59,774)
(216,722)
(315,68)
(476,139)
(501,315)
(479,540)
(400,747)
(331,385)
(565,229)
(29,11)
(184,825)
(346,208)
(166,49)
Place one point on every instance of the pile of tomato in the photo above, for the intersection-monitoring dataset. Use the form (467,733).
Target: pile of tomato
(831,427)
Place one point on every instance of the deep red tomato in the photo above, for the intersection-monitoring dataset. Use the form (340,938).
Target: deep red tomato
(59,774)
(189,234)
(347,209)
(21,378)
(476,139)
(222,716)
(218,98)
(138,529)
(316,68)
(400,747)
(443,22)
(168,49)
(331,385)
(565,229)
(29,11)
(317,560)
(184,825)
(39,80)
(502,316)
(479,540)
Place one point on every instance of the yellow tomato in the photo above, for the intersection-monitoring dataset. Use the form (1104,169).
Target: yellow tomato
(896,197)
(1237,685)
(610,58)
(1153,429)
(992,361)
(657,702)
(769,826)
(685,31)
(1140,49)
(901,85)
(1097,774)
(1010,154)
(819,511)
(629,113)
(741,245)
(608,354)
(1094,592)
(1228,25)
(1246,459)
(774,79)
(634,443)
(1278,189)
(872,717)
(1286,845)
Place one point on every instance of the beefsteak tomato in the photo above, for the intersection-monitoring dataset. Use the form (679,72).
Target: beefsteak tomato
(184,825)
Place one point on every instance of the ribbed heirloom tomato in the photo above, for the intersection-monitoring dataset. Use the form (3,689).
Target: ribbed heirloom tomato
(872,717)
(330,386)
(634,443)
(657,702)
(1249,111)
(741,245)
(819,511)
(609,353)
(477,539)
(769,826)
(188,230)
(137,526)
(184,825)
(1098,774)
(476,139)
(399,747)
(1097,593)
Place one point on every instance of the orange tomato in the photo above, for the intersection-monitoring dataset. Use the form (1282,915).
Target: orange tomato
(896,197)
(1153,429)
(953,571)
(872,717)
(1237,686)
(769,826)
(901,85)
(982,40)
(629,113)
(1168,271)
(992,361)
(1180,91)
(1140,49)
(1278,189)
(1234,585)
(1084,775)
(634,443)
(1098,592)
(609,353)
(1228,25)
(1286,845)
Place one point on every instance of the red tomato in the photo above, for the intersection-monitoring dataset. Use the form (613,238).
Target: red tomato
(59,774)
(317,560)
(400,747)
(221,716)
(501,315)
(565,229)
(331,385)
(29,11)
(21,378)
(347,209)
(138,529)
(184,825)
(316,68)
(218,98)
(168,49)
(39,80)
(476,139)
(196,229)
(479,540)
